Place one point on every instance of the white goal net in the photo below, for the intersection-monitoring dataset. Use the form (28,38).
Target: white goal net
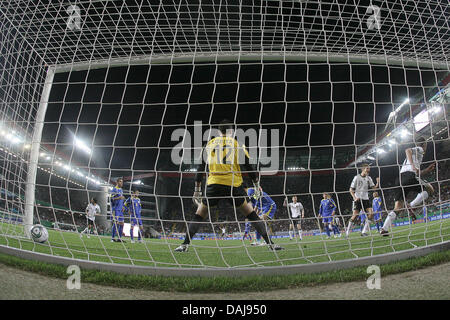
(97,92)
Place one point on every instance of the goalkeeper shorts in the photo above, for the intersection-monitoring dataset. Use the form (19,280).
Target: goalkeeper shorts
(217,192)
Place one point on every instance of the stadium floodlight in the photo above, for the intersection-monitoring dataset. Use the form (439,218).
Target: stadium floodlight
(27,146)
(436,109)
(404,133)
(380,151)
(42,154)
(393,115)
(370,158)
(47,158)
(81,145)
(137,182)
(16,140)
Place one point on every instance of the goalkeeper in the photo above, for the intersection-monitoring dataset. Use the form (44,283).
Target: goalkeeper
(224,182)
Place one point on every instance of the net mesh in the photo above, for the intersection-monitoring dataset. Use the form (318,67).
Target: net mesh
(318,88)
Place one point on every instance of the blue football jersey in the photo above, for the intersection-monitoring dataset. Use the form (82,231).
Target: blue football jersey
(133,206)
(116,203)
(327,206)
(376,204)
(263,203)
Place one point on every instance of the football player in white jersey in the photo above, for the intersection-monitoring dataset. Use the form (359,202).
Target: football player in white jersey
(359,190)
(297,213)
(92,210)
(410,181)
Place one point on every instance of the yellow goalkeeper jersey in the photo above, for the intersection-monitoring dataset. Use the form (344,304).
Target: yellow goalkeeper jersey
(223,161)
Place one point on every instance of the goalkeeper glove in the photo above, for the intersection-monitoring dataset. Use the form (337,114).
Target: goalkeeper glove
(197,198)
(257,188)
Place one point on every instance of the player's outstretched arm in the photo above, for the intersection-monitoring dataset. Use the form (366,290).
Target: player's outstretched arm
(377,185)
(197,197)
(352,193)
(408,153)
(251,170)
(428,169)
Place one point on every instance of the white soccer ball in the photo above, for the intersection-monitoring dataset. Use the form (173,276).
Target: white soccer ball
(39,233)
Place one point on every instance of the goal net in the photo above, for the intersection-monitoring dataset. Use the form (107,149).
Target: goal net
(97,92)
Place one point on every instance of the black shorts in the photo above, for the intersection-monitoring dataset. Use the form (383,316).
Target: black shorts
(296,221)
(91,222)
(217,192)
(361,205)
(409,183)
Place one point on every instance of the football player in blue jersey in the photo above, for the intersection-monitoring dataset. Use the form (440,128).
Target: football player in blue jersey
(133,207)
(336,224)
(425,214)
(327,210)
(117,200)
(247,234)
(363,217)
(377,210)
(264,206)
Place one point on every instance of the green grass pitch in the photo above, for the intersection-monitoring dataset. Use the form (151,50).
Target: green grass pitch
(228,253)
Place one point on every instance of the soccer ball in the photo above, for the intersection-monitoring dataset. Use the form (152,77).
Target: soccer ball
(39,233)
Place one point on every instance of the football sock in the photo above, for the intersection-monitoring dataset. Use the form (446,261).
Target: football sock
(139,234)
(419,199)
(192,229)
(366,226)
(350,223)
(258,236)
(300,234)
(327,230)
(114,230)
(335,230)
(260,226)
(120,230)
(389,219)
(290,234)
(131,233)
(378,225)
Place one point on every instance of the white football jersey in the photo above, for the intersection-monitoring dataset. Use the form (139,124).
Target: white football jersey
(92,210)
(417,157)
(361,185)
(296,209)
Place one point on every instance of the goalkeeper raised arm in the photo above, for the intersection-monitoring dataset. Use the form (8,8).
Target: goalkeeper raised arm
(224,182)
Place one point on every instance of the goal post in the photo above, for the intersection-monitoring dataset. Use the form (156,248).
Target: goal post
(30,190)
(232,56)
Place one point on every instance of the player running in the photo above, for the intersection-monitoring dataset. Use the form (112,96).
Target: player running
(133,207)
(117,200)
(359,190)
(327,210)
(378,212)
(224,160)
(297,213)
(264,206)
(92,209)
(410,181)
